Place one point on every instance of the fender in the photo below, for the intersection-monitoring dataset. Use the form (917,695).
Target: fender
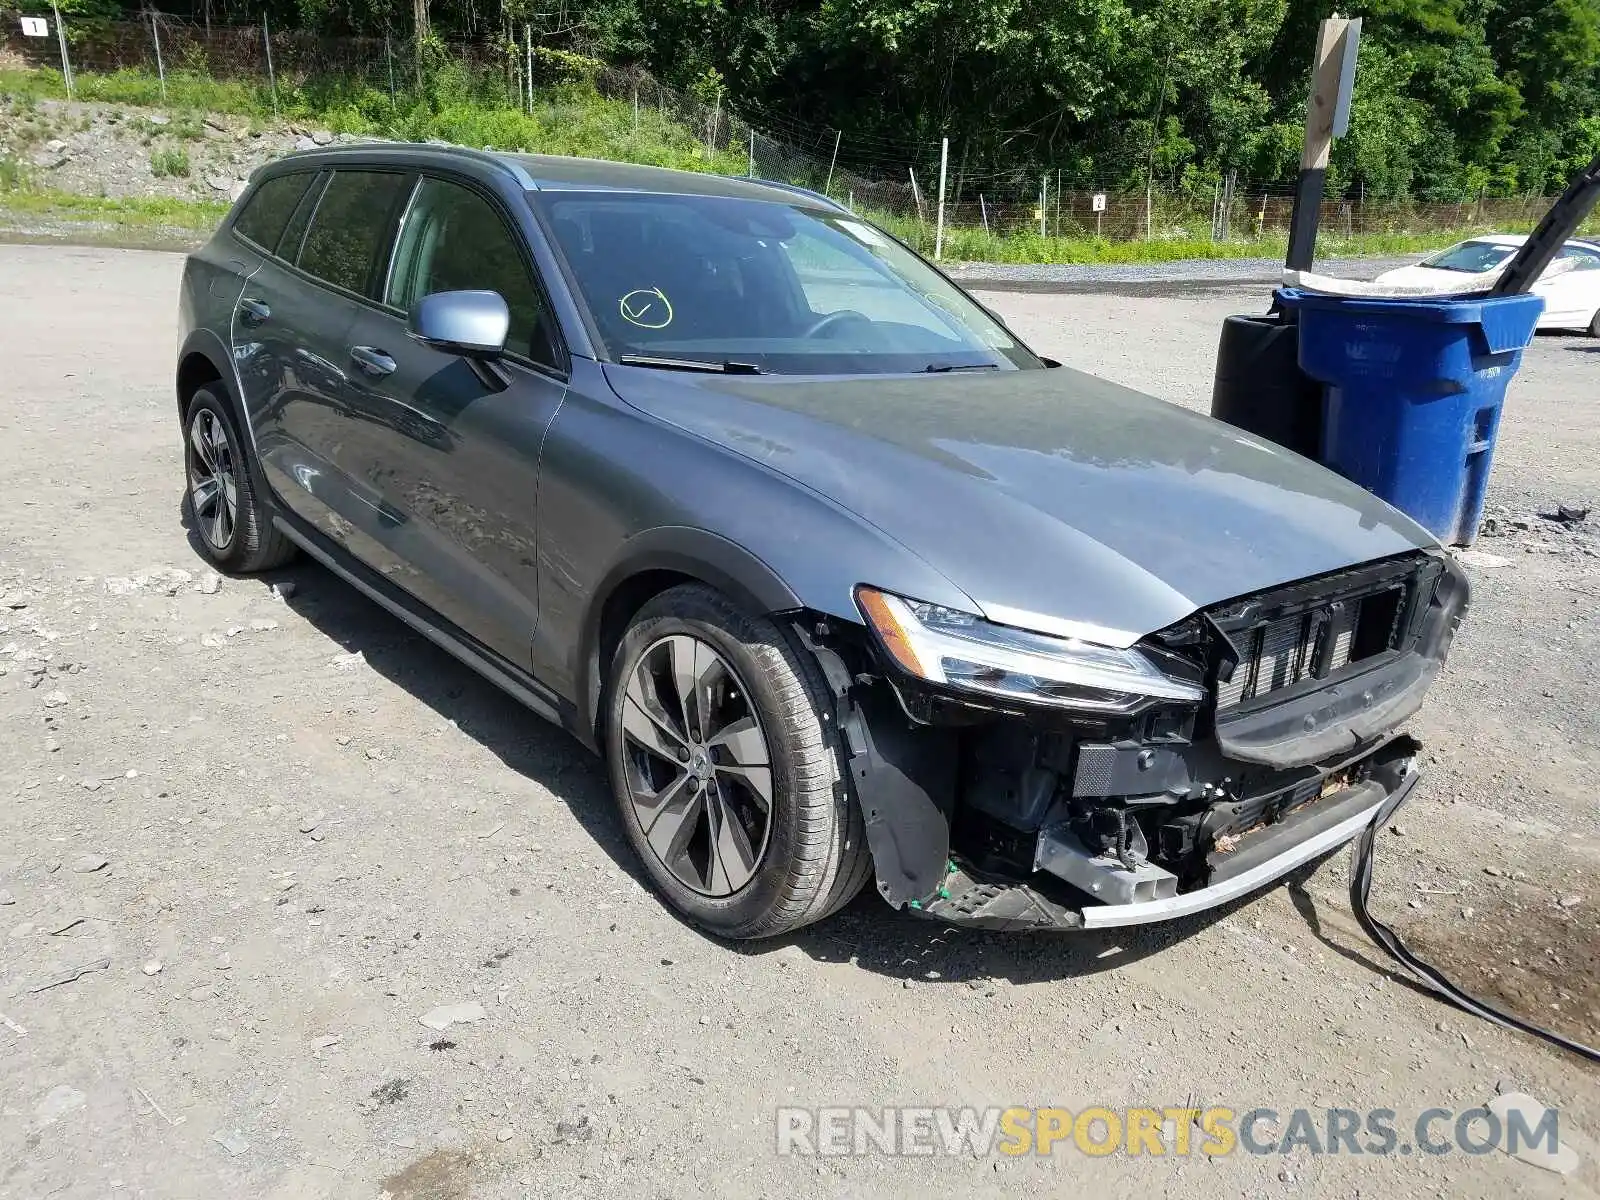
(684,550)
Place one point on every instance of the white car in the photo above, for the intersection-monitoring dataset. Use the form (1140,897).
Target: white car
(1570,285)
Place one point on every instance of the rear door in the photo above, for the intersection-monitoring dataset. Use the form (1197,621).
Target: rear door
(267,302)
(451,457)
(314,287)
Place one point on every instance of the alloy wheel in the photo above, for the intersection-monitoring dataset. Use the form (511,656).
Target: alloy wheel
(697,765)
(213,485)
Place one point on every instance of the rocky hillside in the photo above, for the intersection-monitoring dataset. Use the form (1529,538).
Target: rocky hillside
(118,151)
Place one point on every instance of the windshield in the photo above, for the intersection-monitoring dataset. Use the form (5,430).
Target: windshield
(758,285)
(1471,257)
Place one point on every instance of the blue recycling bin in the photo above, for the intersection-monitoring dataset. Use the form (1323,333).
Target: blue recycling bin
(1412,392)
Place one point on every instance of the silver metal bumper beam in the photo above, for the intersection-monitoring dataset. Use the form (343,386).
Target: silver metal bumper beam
(1108,916)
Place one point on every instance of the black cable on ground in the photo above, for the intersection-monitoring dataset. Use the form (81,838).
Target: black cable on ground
(1361,887)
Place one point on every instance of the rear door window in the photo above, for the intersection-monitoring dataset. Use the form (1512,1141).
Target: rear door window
(351,228)
(265,215)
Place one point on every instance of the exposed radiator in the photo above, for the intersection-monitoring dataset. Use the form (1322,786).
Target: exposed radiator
(1282,652)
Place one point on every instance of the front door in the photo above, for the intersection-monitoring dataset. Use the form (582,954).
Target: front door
(453,459)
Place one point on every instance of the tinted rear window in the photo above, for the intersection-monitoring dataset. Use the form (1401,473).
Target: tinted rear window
(269,208)
(351,226)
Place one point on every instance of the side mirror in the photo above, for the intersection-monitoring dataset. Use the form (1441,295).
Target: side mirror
(473,324)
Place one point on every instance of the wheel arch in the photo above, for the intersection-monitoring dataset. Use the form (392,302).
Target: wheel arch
(653,562)
(203,360)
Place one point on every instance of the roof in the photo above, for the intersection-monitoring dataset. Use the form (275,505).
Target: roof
(1518,239)
(556,173)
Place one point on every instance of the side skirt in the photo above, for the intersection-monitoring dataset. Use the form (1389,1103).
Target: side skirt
(504,675)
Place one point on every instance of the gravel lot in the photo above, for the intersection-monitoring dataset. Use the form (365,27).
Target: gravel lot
(292,829)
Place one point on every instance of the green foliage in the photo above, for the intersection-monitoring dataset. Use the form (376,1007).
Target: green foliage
(1454,98)
(198,216)
(169,161)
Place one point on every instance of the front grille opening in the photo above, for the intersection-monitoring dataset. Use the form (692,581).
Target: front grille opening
(1376,624)
(1318,642)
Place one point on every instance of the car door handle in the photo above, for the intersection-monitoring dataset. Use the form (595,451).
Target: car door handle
(254,312)
(373,361)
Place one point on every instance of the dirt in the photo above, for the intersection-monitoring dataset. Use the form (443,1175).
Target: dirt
(318,828)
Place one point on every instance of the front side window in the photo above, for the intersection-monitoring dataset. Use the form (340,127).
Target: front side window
(453,240)
(266,213)
(779,287)
(351,226)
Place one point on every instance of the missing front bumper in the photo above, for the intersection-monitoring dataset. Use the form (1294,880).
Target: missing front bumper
(1259,860)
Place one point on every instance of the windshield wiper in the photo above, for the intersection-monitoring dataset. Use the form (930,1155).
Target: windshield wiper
(945,368)
(688,364)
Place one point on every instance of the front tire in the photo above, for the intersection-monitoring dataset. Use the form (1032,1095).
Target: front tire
(225,507)
(1594,324)
(727,778)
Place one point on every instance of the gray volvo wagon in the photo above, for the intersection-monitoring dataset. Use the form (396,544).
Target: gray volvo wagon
(843,580)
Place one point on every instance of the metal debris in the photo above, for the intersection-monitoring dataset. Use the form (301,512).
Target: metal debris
(72,975)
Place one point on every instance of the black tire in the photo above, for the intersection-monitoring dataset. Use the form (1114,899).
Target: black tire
(1594,324)
(815,857)
(247,541)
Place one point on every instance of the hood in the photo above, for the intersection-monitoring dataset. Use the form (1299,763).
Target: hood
(1050,497)
(1437,279)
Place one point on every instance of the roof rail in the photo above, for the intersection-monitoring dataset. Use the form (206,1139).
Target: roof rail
(493,158)
(796,189)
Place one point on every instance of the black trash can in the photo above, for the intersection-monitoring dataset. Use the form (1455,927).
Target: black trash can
(1259,385)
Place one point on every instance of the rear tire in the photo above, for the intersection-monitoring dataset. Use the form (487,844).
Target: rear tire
(728,781)
(222,499)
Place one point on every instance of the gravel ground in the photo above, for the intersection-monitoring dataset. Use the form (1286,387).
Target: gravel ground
(282,831)
(120,150)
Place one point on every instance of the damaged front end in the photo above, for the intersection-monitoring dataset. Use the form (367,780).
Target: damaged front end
(1014,780)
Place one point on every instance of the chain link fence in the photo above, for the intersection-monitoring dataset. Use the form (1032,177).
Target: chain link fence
(292,71)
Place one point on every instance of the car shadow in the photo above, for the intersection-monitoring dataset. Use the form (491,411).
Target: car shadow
(866,933)
(525,742)
(901,945)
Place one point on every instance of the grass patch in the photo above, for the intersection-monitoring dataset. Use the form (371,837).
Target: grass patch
(169,161)
(974,244)
(137,212)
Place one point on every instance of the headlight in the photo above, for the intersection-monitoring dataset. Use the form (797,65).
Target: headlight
(964,651)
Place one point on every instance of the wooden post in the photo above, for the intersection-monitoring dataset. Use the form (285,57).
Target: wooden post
(1320,113)
(838,136)
(916,193)
(984,210)
(1044,192)
(944,166)
(272,77)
